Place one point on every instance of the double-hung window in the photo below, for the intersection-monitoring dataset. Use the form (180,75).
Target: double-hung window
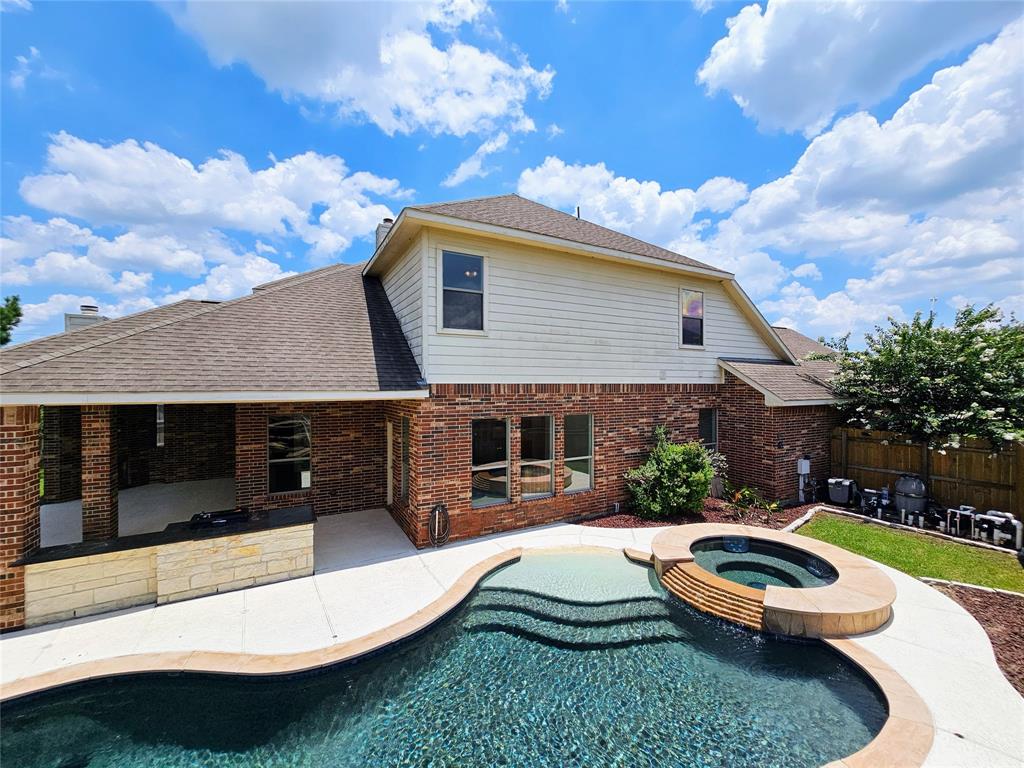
(490,462)
(289,448)
(579,452)
(691,307)
(707,428)
(462,292)
(536,460)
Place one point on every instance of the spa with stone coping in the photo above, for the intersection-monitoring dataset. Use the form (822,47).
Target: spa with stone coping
(854,595)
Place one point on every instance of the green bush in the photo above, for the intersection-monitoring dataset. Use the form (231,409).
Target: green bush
(674,480)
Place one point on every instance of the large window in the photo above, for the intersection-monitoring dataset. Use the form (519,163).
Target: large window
(707,426)
(490,462)
(462,292)
(537,451)
(691,306)
(405,458)
(579,453)
(288,454)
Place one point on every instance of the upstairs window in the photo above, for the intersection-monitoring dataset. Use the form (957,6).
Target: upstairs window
(288,453)
(462,296)
(707,427)
(691,306)
(490,462)
(536,460)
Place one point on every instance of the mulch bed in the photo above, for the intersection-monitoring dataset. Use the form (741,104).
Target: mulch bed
(1002,616)
(715,511)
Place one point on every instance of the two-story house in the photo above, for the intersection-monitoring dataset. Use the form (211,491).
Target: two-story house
(497,359)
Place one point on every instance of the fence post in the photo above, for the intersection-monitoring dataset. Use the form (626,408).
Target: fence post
(1018,480)
(843,453)
(926,467)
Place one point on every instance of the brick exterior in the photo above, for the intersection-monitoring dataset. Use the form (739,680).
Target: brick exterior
(19,506)
(624,420)
(99,473)
(348,457)
(763,444)
(61,453)
(198,444)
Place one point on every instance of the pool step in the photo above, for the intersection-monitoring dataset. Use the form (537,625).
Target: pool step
(712,594)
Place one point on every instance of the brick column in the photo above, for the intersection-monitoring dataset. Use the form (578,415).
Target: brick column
(19,506)
(99,473)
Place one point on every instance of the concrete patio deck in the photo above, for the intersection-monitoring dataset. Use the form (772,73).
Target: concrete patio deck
(368,576)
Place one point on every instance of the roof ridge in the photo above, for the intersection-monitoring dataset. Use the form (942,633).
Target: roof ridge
(421,206)
(306,277)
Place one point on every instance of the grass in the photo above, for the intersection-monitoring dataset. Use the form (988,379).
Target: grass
(918,554)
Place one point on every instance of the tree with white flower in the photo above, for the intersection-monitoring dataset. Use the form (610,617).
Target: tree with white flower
(936,383)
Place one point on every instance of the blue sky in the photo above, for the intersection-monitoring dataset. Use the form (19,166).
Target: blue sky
(848,161)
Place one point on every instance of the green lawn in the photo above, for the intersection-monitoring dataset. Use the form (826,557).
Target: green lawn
(918,554)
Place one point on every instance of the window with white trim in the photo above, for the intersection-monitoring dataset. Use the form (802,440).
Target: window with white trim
(289,449)
(490,462)
(536,459)
(462,292)
(579,452)
(691,308)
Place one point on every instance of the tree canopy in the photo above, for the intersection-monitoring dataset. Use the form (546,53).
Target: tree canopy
(10,316)
(939,383)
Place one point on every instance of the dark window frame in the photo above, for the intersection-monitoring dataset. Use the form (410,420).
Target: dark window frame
(501,464)
(550,462)
(445,290)
(712,444)
(307,459)
(566,458)
(690,323)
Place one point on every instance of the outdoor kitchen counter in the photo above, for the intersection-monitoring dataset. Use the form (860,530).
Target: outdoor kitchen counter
(177,563)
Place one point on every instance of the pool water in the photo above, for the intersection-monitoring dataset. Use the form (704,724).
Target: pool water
(559,660)
(758,563)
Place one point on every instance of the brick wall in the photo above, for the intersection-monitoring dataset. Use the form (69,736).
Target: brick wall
(348,456)
(198,444)
(624,418)
(403,509)
(99,473)
(61,453)
(19,506)
(763,444)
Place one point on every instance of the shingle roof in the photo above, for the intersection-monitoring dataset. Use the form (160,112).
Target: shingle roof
(807,380)
(332,330)
(515,212)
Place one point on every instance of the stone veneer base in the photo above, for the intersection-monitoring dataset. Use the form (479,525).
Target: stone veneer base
(904,741)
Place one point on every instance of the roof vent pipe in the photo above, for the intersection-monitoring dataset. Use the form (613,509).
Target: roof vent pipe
(382,230)
(88,309)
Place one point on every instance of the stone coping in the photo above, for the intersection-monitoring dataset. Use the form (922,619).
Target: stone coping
(173,534)
(859,600)
(216,662)
(903,742)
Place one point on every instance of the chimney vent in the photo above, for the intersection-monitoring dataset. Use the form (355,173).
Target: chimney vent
(382,230)
(88,314)
(89,309)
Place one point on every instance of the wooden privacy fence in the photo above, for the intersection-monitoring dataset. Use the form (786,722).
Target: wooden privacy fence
(970,474)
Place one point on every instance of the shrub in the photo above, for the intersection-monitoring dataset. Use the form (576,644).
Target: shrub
(675,479)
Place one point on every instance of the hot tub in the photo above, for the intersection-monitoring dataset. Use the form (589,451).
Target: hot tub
(759,563)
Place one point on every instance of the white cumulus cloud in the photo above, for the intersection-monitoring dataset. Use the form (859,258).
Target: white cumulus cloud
(473,166)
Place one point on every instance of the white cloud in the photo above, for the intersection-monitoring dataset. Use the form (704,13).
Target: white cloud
(15,5)
(229,281)
(720,194)
(703,6)
(374,61)
(833,315)
(473,166)
(262,247)
(23,70)
(794,65)
(41,313)
(808,270)
(62,268)
(143,185)
(554,131)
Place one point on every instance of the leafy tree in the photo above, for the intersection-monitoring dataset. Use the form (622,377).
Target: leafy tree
(10,316)
(839,344)
(939,383)
(675,479)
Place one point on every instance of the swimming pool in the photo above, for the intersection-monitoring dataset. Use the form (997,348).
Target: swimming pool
(559,660)
(759,563)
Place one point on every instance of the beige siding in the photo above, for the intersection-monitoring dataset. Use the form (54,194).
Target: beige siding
(561,318)
(403,284)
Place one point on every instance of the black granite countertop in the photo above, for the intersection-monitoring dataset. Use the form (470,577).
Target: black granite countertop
(176,532)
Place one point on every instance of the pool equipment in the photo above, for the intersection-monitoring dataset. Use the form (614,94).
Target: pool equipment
(960,521)
(842,490)
(998,528)
(911,497)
